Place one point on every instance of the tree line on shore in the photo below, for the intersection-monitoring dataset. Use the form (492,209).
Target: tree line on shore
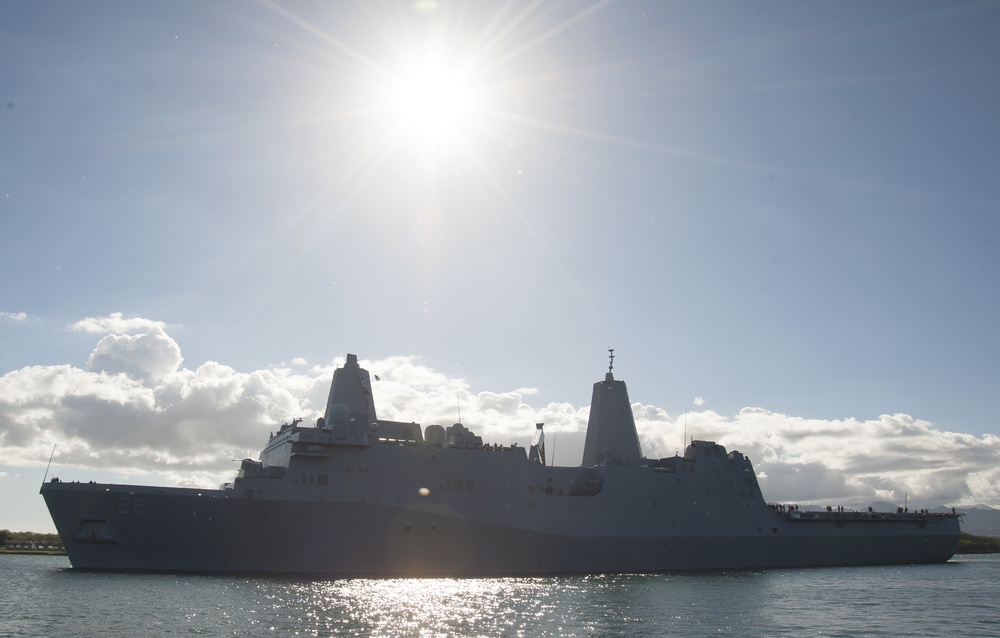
(969,543)
(39,539)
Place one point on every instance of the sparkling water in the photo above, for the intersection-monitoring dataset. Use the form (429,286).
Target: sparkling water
(41,596)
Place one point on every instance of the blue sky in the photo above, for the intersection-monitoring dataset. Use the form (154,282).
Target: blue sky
(774,208)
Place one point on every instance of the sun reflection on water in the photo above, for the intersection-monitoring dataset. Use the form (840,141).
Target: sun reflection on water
(425,607)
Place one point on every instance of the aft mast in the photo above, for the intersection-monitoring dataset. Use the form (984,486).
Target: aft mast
(350,402)
(611,434)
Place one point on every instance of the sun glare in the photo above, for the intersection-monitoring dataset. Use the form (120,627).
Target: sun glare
(432,102)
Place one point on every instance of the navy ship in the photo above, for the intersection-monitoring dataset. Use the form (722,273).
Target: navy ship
(355,495)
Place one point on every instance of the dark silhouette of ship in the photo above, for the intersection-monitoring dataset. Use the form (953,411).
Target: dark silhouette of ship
(355,495)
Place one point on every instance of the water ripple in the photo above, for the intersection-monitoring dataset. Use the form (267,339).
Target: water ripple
(956,599)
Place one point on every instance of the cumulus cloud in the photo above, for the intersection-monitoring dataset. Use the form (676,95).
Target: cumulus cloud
(137,408)
(116,323)
(19,317)
(849,461)
(149,356)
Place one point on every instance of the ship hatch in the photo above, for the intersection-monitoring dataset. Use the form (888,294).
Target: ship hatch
(96,530)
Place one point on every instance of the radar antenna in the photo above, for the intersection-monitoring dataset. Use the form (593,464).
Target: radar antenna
(611,364)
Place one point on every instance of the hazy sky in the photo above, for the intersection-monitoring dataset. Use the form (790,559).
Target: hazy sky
(782,215)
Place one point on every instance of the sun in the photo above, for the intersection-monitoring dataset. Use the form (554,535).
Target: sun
(432,102)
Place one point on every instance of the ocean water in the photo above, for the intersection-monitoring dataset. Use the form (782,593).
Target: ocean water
(41,596)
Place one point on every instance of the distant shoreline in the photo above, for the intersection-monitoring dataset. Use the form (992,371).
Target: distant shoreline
(972,544)
(969,544)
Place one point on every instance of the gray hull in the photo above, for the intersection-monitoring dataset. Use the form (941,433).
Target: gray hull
(359,496)
(130,528)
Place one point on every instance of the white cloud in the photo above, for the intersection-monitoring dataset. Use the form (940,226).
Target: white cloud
(137,409)
(148,356)
(116,323)
(20,317)
(699,401)
(851,461)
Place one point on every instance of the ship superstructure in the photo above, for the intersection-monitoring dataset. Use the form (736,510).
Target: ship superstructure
(355,495)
